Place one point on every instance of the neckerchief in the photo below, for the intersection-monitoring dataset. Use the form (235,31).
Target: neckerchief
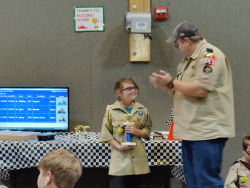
(245,164)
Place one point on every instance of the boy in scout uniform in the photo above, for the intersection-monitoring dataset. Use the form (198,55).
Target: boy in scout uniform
(127,163)
(203,104)
(239,174)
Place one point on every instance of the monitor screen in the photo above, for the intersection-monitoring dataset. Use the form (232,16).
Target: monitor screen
(34,109)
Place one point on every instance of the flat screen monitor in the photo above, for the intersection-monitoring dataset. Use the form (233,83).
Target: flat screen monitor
(34,109)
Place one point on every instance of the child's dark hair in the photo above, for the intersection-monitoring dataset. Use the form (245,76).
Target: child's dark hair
(245,142)
(118,84)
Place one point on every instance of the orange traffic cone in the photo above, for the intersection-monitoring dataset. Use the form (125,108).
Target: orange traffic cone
(171,134)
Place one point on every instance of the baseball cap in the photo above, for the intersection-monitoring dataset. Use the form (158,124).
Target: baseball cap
(183,30)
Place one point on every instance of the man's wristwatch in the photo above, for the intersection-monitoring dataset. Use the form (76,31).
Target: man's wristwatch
(170,84)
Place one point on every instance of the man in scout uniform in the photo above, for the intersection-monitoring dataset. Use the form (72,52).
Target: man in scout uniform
(203,103)
(239,174)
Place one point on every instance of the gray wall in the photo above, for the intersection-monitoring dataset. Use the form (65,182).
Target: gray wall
(38,47)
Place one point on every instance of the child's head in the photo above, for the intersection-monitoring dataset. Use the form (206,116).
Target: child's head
(59,168)
(246,147)
(126,89)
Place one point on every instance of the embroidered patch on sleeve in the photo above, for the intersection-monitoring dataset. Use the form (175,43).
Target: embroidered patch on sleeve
(207,70)
(140,113)
(109,106)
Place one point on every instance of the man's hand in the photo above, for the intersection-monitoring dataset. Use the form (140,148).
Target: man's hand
(160,80)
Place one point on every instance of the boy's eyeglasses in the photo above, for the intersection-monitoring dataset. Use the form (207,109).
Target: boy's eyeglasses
(247,152)
(130,88)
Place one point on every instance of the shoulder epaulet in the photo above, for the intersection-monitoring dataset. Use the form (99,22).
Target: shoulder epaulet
(235,162)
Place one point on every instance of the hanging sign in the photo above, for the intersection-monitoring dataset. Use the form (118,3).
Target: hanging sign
(89,19)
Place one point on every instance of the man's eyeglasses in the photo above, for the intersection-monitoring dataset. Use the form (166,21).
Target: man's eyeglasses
(247,152)
(177,44)
(130,88)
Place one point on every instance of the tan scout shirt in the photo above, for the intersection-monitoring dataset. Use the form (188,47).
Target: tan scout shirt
(235,175)
(132,161)
(211,117)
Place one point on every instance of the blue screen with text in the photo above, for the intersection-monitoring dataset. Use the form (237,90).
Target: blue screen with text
(34,109)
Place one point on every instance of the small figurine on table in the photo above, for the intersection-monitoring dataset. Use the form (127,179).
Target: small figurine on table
(78,132)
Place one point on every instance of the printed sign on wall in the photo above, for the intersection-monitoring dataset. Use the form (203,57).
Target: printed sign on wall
(89,19)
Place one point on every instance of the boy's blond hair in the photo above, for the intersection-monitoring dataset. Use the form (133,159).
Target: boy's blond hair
(64,166)
(245,142)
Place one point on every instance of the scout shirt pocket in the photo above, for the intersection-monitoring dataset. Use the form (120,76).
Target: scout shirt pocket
(119,132)
(243,178)
(138,123)
(141,121)
(189,73)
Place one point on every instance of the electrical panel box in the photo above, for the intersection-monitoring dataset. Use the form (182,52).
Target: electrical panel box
(138,22)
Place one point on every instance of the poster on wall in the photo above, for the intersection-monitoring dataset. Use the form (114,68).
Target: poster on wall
(89,19)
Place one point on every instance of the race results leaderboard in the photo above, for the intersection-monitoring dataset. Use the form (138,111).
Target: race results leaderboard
(34,105)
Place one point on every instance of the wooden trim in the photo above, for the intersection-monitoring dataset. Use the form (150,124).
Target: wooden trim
(139,48)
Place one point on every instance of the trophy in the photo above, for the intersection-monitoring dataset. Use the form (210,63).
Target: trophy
(128,143)
(78,132)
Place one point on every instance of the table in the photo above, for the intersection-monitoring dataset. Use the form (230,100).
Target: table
(24,154)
